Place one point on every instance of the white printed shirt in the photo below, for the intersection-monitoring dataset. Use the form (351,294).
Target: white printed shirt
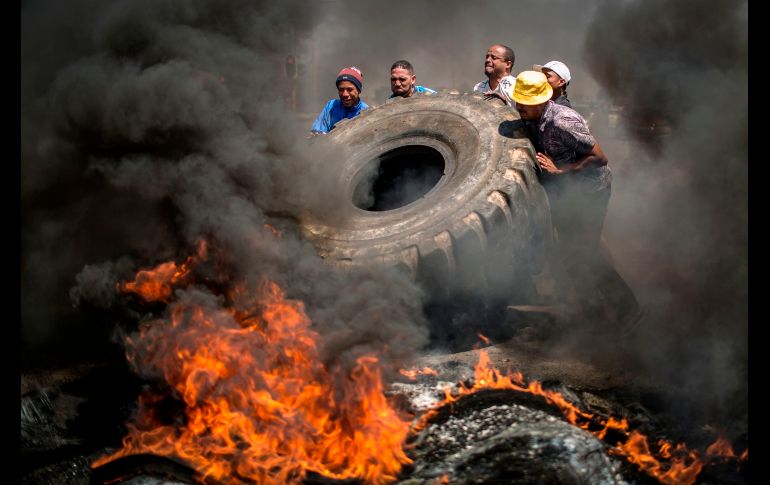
(504,87)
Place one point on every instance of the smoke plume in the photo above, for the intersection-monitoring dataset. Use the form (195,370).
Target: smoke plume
(679,225)
(148,124)
(161,124)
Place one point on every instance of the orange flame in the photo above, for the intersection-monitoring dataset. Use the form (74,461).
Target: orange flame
(637,451)
(156,284)
(721,447)
(484,338)
(414,372)
(259,404)
(683,467)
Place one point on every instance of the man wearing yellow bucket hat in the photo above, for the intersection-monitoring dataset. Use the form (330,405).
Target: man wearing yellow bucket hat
(578,182)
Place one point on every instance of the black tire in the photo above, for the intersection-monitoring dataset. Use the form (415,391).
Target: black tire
(480,230)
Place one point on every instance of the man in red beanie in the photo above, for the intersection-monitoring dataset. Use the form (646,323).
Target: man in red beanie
(349,104)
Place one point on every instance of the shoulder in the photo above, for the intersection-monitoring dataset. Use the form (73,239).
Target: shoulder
(482,85)
(565,117)
(507,83)
(331,104)
(423,89)
(363,105)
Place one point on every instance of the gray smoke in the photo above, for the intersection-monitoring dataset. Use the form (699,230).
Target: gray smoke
(677,220)
(445,41)
(679,225)
(104,175)
(162,123)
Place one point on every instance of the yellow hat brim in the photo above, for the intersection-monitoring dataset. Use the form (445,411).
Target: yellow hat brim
(533,100)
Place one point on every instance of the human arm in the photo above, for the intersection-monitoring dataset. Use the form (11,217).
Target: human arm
(494,94)
(570,141)
(595,157)
(322,123)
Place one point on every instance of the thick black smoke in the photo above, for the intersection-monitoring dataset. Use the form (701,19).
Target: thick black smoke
(675,76)
(141,120)
(149,125)
(679,226)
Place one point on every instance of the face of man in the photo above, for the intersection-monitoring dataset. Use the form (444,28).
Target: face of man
(530,112)
(553,79)
(348,92)
(402,82)
(495,64)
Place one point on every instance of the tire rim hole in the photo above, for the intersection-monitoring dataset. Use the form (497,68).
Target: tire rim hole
(398,177)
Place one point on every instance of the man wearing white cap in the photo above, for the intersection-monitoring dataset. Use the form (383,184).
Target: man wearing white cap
(558,76)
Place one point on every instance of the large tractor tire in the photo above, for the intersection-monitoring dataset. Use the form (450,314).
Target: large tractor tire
(445,186)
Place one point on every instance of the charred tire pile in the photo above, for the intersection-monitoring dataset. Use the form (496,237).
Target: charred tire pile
(473,220)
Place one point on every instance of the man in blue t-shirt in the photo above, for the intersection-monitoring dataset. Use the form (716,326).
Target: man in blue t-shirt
(402,81)
(349,104)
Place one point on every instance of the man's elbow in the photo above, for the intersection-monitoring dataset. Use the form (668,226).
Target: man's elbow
(600,159)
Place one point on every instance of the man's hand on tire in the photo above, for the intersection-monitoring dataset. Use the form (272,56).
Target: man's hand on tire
(492,95)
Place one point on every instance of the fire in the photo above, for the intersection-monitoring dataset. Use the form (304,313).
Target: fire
(721,447)
(681,469)
(670,465)
(414,372)
(260,406)
(258,403)
(157,284)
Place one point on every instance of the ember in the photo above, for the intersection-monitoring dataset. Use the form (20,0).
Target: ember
(413,373)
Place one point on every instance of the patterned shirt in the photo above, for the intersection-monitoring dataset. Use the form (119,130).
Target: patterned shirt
(333,112)
(418,90)
(563,135)
(504,87)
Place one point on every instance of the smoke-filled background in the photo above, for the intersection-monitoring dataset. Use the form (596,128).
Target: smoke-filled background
(678,220)
(148,124)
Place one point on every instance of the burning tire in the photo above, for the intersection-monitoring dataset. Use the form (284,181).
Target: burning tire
(444,186)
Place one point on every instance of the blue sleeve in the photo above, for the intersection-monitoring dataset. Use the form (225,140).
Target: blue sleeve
(323,124)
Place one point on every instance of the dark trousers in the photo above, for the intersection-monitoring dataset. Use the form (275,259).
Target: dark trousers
(583,264)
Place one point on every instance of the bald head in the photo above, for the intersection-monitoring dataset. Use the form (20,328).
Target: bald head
(499,61)
(509,55)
